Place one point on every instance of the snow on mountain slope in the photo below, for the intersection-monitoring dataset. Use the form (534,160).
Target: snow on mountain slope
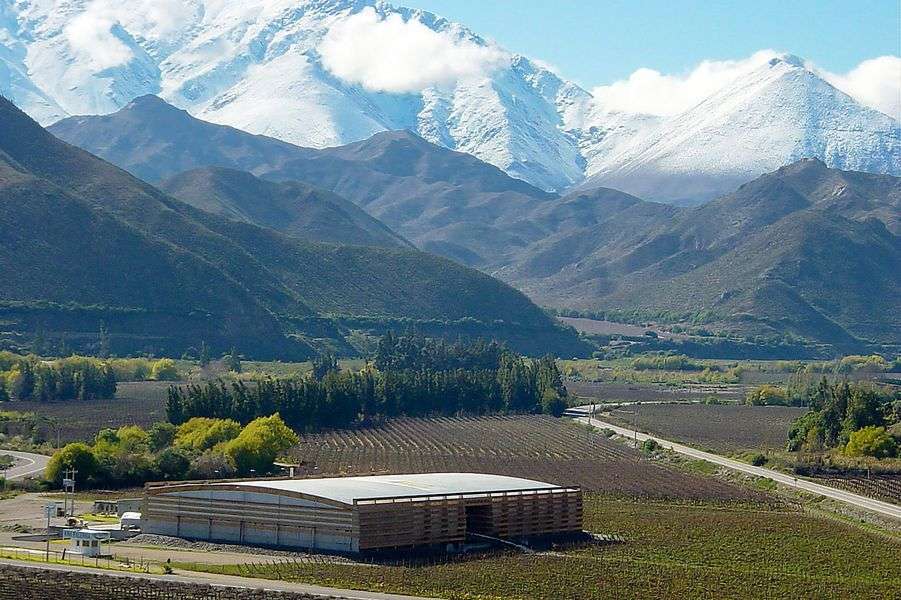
(255,65)
(82,72)
(14,80)
(777,114)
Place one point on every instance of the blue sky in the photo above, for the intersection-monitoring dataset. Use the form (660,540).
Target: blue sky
(595,42)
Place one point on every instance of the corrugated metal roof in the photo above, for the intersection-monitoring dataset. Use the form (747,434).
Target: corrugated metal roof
(349,489)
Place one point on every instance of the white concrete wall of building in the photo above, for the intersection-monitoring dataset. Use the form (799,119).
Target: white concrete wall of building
(126,505)
(217,531)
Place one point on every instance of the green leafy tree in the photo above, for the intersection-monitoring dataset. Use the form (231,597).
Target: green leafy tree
(202,433)
(133,440)
(260,443)
(842,396)
(871,441)
(517,387)
(204,358)
(22,380)
(767,395)
(324,364)
(417,377)
(822,395)
(173,463)
(232,361)
(803,430)
(161,435)
(175,406)
(123,456)
(78,456)
(864,409)
(164,370)
(212,464)
(104,348)
(552,403)
(106,443)
(649,447)
(548,375)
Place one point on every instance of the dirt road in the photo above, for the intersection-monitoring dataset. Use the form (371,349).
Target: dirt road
(877,506)
(227,581)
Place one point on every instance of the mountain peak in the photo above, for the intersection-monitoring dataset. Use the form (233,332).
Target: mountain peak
(256,65)
(153,108)
(804,164)
(150,101)
(787,59)
(774,116)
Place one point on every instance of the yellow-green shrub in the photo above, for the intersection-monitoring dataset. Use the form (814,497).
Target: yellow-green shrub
(201,433)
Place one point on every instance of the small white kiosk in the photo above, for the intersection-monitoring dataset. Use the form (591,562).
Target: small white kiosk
(87,542)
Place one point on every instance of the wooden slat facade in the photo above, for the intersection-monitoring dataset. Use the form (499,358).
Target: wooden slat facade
(195,511)
(427,520)
(400,524)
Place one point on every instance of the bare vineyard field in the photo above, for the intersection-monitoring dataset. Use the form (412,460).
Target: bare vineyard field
(614,391)
(136,403)
(529,446)
(668,550)
(595,327)
(721,428)
(886,487)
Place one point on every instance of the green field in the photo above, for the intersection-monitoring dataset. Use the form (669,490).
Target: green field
(670,550)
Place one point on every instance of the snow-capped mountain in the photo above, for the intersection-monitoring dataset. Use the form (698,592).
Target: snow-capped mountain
(775,115)
(15,82)
(255,65)
(258,65)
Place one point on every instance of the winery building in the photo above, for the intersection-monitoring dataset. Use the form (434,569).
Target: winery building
(353,514)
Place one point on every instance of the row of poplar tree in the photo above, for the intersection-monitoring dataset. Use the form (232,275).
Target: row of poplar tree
(74,378)
(409,376)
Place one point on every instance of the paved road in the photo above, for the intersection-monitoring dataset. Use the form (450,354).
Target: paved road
(224,581)
(26,464)
(883,508)
(585,409)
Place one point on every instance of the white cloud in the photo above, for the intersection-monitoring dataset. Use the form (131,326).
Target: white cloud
(875,83)
(652,92)
(151,19)
(91,33)
(393,55)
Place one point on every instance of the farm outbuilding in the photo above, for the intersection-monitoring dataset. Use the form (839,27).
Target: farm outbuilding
(352,514)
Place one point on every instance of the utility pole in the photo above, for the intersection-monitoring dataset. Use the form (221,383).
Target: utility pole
(48,510)
(637,421)
(69,487)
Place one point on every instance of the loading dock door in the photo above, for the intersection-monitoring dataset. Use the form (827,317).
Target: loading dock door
(478,519)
